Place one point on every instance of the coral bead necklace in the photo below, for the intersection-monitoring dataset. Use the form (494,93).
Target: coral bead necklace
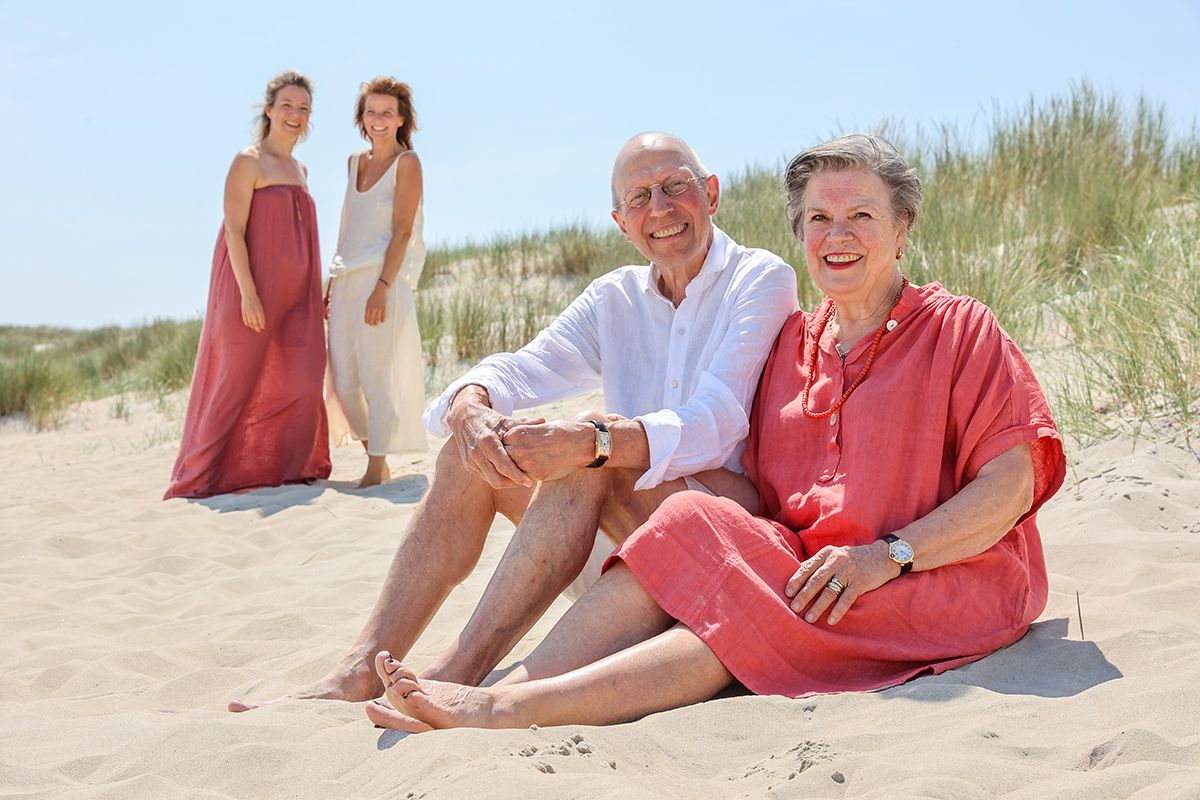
(812,357)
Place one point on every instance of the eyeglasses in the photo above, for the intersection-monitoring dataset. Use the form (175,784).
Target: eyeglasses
(671,187)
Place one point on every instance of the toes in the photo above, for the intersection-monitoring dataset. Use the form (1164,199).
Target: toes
(385,717)
(381,667)
(238,706)
(389,669)
(407,688)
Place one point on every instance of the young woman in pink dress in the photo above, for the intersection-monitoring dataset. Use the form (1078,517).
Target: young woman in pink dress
(255,414)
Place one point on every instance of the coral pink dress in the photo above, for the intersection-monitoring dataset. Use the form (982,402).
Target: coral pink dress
(256,415)
(948,391)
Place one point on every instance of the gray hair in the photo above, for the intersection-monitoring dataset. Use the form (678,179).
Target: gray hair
(855,151)
(690,159)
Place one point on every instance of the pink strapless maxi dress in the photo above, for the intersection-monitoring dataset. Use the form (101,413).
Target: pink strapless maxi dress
(256,415)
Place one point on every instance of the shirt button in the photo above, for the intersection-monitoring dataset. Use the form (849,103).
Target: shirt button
(674,384)
(832,420)
(681,331)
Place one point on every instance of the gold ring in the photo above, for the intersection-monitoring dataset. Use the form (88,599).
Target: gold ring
(836,586)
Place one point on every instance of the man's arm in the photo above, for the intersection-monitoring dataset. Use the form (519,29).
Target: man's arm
(705,431)
(551,450)
(562,360)
(702,433)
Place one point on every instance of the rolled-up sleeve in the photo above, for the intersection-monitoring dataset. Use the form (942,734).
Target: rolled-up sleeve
(562,360)
(709,429)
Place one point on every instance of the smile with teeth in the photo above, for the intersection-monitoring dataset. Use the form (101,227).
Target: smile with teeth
(842,258)
(672,231)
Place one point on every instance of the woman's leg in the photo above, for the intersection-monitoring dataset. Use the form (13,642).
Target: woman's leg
(613,614)
(673,669)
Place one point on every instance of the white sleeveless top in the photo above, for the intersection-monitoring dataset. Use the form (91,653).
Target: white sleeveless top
(366,228)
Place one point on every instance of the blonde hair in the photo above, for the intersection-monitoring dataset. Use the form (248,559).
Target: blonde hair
(288,77)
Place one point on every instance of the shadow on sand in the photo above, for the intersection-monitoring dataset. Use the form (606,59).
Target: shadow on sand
(1043,663)
(404,490)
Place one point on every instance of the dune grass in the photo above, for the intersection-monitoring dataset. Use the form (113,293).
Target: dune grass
(44,370)
(1075,220)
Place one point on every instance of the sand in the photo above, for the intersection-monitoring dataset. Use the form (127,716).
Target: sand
(127,623)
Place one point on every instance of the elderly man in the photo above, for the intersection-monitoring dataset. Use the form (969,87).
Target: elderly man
(677,347)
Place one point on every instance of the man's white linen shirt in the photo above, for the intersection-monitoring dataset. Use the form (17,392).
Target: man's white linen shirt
(687,374)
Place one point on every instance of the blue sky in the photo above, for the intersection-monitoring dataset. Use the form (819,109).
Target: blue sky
(120,119)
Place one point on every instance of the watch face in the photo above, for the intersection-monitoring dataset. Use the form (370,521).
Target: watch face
(603,443)
(900,551)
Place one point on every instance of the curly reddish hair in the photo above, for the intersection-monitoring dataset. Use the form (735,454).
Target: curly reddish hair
(392,88)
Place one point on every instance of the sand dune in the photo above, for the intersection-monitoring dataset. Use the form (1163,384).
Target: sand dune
(127,623)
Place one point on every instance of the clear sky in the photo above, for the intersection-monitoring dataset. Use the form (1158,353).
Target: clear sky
(120,119)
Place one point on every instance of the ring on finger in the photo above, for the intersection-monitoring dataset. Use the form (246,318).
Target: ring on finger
(836,585)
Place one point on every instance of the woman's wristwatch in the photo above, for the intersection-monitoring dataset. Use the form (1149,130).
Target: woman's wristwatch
(900,551)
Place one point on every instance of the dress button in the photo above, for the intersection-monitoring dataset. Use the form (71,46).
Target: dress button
(832,420)
(674,384)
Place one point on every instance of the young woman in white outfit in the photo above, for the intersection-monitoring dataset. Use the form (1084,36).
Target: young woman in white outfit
(374,344)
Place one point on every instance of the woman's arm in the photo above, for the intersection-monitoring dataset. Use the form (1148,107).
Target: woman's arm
(967,524)
(239,192)
(404,211)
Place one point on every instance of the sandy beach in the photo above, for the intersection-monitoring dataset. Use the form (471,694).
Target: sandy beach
(128,623)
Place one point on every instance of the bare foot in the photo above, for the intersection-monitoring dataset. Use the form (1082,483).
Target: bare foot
(428,703)
(377,472)
(353,684)
(384,716)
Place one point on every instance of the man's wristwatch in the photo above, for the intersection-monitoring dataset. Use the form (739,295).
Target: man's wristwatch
(900,551)
(603,444)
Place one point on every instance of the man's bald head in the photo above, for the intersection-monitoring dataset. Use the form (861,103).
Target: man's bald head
(654,141)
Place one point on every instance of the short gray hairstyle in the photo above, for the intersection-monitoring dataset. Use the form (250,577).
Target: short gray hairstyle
(855,151)
(690,159)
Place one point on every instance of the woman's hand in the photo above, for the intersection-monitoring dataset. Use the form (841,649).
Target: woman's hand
(860,569)
(376,305)
(253,316)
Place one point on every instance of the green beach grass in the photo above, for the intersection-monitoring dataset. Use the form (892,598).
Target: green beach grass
(1077,220)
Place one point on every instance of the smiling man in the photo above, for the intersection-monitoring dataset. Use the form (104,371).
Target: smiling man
(676,345)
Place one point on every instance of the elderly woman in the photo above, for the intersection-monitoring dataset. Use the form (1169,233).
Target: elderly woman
(901,447)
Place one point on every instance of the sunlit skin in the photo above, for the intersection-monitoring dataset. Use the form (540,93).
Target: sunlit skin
(852,238)
(673,232)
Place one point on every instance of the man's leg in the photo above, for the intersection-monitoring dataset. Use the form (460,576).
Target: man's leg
(439,549)
(613,673)
(550,547)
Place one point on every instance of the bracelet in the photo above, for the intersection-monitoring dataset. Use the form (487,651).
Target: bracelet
(385,283)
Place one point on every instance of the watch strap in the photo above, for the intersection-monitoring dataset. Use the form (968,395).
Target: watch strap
(600,456)
(905,566)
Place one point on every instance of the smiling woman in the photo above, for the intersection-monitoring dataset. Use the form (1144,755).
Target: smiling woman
(374,343)
(255,416)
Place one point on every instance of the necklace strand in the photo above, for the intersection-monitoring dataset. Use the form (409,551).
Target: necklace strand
(812,358)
